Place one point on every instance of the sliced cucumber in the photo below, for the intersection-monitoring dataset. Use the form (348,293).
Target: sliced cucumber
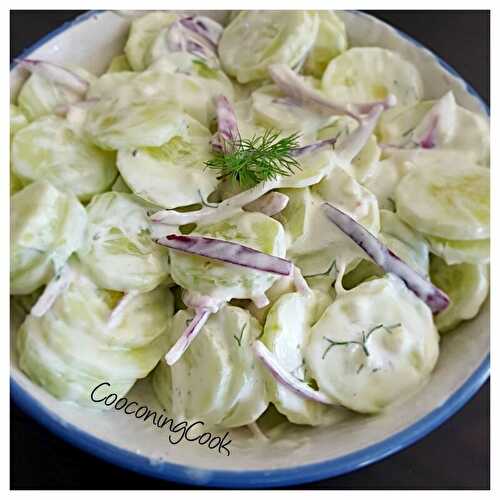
(364,74)
(122,123)
(18,120)
(286,332)
(394,359)
(119,253)
(253,41)
(143,32)
(452,203)
(207,382)
(467,285)
(406,243)
(330,42)
(457,251)
(172,175)
(47,226)
(223,281)
(119,64)
(40,97)
(50,149)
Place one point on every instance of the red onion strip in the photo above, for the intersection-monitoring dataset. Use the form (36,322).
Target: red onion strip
(287,379)
(54,288)
(187,336)
(228,252)
(117,312)
(435,298)
(270,204)
(227,125)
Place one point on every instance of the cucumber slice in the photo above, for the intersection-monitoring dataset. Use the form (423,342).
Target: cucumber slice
(120,186)
(119,253)
(451,202)
(124,123)
(457,251)
(365,74)
(40,97)
(321,242)
(119,64)
(330,42)
(207,382)
(50,149)
(47,226)
(18,120)
(61,380)
(286,332)
(406,243)
(469,134)
(366,162)
(223,281)
(143,32)
(253,41)
(396,357)
(108,85)
(172,175)
(467,286)
(272,111)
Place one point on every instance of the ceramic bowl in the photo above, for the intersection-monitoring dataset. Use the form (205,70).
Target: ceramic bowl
(309,453)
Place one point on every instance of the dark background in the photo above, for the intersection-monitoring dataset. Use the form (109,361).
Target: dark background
(455,456)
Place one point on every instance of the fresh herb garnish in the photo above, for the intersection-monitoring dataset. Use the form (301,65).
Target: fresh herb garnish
(364,338)
(255,160)
(240,338)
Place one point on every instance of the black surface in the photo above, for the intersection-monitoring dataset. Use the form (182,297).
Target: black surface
(455,456)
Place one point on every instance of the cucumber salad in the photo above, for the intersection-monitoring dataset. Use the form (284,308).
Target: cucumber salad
(258,217)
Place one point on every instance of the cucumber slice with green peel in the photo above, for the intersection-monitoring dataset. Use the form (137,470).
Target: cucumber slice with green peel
(47,226)
(122,123)
(467,286)
(286,333)
(50,149)
(406,243)
(119,64)
(374,344)
(367,74)
(143,32)
(119,253)
(18,119)
(331,41)
(452,203)
(223,281)
(172,175)
(458,251)
(253,41)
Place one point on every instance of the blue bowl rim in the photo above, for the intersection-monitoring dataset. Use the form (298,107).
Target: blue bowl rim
(264,478)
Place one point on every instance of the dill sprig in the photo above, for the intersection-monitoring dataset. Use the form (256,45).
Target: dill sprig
(364,339)
(259,159)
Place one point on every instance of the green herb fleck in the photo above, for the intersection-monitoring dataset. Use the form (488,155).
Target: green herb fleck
(240,338)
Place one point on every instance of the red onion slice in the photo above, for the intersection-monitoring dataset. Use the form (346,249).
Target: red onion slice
(315,146)
(228,252)
(287,379)
(292,85)
(204,26)
(117,312)
(227,125)
(300,283)
(54,288)
(187,336)
(270,204)
(57,74)
(435,298)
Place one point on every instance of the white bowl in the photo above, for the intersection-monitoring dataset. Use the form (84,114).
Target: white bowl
(314,453)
